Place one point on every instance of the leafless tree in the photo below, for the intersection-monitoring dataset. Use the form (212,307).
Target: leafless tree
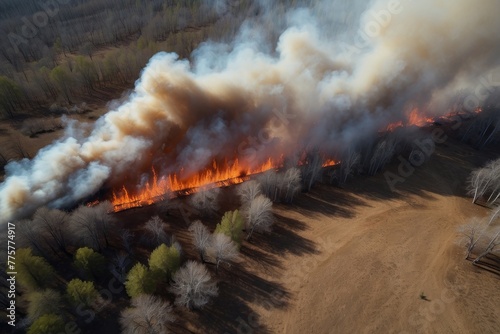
(484,128)
(156,227)
(478,183)
(201,238)
(148,315)
(311,170)
(223,250)
(350,161)
(119,266)
(494,190)
(247,191)
(276,186)
(491,247)
(28,235)
(269,183)
(382,154)
(484,180)
(127,238)
(17,148)
(193,286)
(206,201)
(259,216)
(482,236)
(92,224)
(495,214)
(290,184)
(471,233)
(52,227)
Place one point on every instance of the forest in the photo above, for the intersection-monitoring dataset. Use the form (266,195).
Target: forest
(61,53)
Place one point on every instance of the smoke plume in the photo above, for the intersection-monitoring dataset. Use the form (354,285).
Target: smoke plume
(326,83)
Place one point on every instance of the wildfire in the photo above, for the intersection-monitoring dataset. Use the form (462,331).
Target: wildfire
(418,119)
(415,118)
(330,162)
(224,174)
(214,176)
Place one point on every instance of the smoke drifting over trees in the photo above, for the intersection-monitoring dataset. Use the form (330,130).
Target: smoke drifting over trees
(311,89)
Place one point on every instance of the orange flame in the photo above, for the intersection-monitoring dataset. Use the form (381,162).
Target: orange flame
(330,162)
(159,189)
(418,119)
(214,176)
(415,118)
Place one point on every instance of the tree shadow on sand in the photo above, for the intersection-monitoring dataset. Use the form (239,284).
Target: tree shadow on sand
(283,238)
(327,200)
(230,311)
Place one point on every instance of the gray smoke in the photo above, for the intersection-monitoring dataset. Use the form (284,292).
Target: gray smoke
(338,73)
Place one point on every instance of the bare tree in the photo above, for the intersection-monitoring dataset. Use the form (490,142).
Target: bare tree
(494,190)
(311,170)
(223,250)
(148,315)
(491,247)
(206,201)
(119,266)
(247,191)
(259,216)
(494,215)
(28,235)
(156,227)
(483,180)
(201,238)
(127,238)
(52,226)
(290,184)
(269,183)
(484,128)
(193,286)
(92,224)
(350,161)
(382,154)
(471,233)
(482,235)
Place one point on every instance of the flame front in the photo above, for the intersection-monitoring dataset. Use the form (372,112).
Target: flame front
(161,188)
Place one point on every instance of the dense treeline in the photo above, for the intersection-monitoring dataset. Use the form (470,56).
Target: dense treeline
(61,51)
(64,53)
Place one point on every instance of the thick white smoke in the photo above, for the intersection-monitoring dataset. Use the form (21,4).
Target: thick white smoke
(319,88)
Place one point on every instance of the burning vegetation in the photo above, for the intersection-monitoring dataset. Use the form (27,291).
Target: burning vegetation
(235,110)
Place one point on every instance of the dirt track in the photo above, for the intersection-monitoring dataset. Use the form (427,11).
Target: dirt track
(378,251)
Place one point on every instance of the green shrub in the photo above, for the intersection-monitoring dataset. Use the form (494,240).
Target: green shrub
(81,292)
(33,272)
(232,225)
(139,281)
(92,263)
(43,302)
(47,324)
(164,262)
